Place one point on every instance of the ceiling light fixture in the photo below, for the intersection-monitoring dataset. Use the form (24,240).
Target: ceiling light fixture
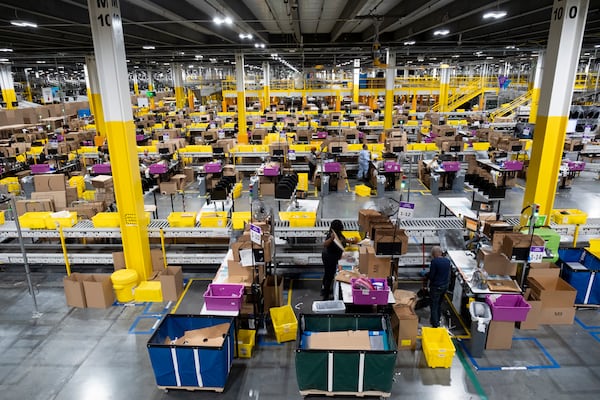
(409,43)
(6,50)
(3,59)
(259,45)
(148,47)
(597,46)
(40,62)
(198,57)
(245,36)
(23,24)
(455,56)
(494,14)
(220,21)
(441,32)
(510,47)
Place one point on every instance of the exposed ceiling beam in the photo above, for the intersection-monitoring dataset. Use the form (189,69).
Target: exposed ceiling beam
(351,9)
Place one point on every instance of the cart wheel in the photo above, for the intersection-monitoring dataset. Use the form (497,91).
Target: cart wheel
(166,390)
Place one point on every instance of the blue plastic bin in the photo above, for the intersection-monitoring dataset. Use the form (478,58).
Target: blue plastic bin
(176,365)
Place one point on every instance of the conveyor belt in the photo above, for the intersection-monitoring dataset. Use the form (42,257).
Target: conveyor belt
(85,229)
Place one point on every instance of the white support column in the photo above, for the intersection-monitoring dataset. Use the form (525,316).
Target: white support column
(94,97)
(390,76)
(109,50)
(567,25)
(177,74)
(535,90)
(136,85)
(7,85)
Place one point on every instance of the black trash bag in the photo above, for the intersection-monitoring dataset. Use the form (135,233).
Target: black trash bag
(423,299)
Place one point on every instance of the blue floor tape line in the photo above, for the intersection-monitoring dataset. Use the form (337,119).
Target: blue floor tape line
(584,326)
(596,336)
(132,330)
(553,363)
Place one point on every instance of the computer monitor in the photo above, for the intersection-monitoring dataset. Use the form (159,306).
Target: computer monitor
(209,137)
(257,138)
(303,139)
(37,143)
(449,133)
(20,139)
(335,117)
(140,127)
(455,149)
(578,147)
(446,157)
(518,147)
(161,138)
(362,123)
(178,126)
(218,150)
(52,152)
(336,149)
(351,136)
(164,150)
(278,152)
(324,123)
(398,149)
(291,124)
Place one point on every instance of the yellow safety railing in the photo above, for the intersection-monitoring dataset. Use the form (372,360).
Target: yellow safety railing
(508,108)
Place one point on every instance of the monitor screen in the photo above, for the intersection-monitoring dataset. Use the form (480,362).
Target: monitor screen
(140,127)
(517,147)
(398,149)
(578,147)
(20,139)
(209,137)
(362,123)
(218,150)
(278,152)
(257,138)
(336,149)
(291,124)
(164,150)
(52,152)
(303,139)
(455,149)
(324,123)
(449,133)
(178,126)
(351,137)
(37,143)
(161,138)
(335,117)
(446,157)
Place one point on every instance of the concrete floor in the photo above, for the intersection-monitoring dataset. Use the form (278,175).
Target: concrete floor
(79,354)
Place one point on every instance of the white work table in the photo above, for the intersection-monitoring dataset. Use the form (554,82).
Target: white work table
(458,206)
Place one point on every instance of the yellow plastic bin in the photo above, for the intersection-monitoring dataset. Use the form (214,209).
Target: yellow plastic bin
(2,218)
(124,281)
(182,219)
(106,220)
(285,323)
(438,347)
(213,219)
(245,339)
(148,291)
(239,219)
(569,216)
(362,190)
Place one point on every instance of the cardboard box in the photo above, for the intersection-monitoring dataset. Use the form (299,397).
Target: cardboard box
(171,281)
(383,243)
(74,292)
(543,270)
(49,183)
(533,316)
(98,291)
(24,206)
(273,294)
(87,210)
(500,335)
(405,325)
(118,260)
(71,195)
(103,182)
(518,246)
(189,174)
(212,336)
(180,179)
(496,263)
(556,315)
(267,189)
(554,292)
(158,261)
(341,340)
(59,199)
(372,265)
(491,227)
(169,187)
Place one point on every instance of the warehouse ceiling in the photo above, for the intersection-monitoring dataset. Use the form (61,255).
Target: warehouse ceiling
(306,33)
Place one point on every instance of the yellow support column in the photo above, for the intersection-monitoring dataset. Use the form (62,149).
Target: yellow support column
(109,49)
(535,90)
(241,98)
(338,100)
(266,86)
(356,80)
(8,86)
(413,106)
(190,99)
(560,66)
(95,99)
(29,93)
(390,76)
(444,86)
(177,74)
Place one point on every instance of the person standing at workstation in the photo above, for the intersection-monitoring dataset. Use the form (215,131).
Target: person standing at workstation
(439,279)
(364,157)
(333,247)
(312,164)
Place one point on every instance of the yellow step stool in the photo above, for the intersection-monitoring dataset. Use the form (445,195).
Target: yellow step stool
(148,291)
(362,190)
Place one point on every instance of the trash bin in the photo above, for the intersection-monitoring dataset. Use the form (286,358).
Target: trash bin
(480,321)
(458,184)
(324,185)
(124,281)
(380,185)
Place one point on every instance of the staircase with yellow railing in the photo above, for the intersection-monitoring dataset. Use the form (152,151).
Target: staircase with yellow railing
(462,95)
(509,108)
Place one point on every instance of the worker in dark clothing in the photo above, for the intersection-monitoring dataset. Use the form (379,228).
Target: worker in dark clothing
(312,164)
(333,247)
(439,279)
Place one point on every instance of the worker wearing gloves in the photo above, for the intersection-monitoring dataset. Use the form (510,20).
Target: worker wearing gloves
(333,247)
(364,157)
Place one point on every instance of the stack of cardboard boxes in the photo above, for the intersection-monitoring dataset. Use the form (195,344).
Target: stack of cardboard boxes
(405,322)
(105,190)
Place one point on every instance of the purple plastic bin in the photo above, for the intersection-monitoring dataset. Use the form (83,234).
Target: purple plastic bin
(508,307)
(271,171)
(391,166)
(513,165)
(223,297)
(332,167)
(212,168)
(158,168)
(371,297)
(100,169)
(139,138)
(451,166)
(40,168)
(322,135)
(576,166)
